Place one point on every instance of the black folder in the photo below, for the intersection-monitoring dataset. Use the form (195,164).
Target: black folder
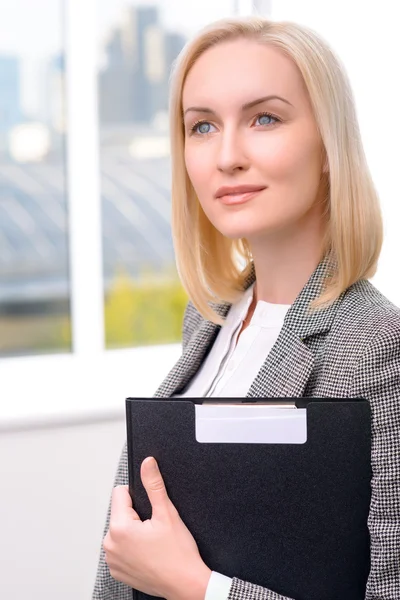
(289,517)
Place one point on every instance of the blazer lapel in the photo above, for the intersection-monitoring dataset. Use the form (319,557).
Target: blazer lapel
(286,369)
(289,364)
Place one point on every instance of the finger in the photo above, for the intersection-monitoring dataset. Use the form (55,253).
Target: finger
(155,488)
(121,504)
(106,542)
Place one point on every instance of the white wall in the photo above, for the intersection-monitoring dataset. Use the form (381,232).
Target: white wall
(54,490)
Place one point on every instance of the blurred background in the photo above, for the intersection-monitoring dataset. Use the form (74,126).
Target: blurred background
(90,303)
(136,48)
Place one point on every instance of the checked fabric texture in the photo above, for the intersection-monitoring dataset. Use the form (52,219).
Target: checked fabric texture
(349,349)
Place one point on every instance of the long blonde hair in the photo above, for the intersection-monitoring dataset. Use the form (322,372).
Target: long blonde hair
(210,265)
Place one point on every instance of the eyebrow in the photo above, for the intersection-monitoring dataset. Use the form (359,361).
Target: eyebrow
(244,107)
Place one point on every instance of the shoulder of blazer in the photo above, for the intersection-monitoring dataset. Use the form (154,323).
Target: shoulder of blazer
(192,320)
(366,326)
(364,306)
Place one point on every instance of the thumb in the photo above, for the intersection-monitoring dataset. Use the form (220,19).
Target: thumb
(155,488)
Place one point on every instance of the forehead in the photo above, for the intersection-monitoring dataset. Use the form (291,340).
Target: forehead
(238,69)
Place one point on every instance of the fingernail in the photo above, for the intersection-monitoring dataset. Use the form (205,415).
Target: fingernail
(152,466)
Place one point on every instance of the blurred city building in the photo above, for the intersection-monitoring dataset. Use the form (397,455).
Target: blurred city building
(34,219)
(135,180)
(139,55)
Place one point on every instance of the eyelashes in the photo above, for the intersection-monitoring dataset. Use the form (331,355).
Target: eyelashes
(194,129)
(270,116)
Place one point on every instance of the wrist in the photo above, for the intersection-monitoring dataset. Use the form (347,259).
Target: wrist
(193,586)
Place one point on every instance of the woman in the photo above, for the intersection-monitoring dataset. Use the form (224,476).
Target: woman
(277,229)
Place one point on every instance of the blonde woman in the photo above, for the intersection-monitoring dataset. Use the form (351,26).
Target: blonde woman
(277,230)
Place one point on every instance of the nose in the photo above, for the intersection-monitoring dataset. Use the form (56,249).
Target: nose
(231,152)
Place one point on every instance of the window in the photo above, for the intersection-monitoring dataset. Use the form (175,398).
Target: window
(144,301)
(34,283)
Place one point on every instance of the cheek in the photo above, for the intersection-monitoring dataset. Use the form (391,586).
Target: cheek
(291,158)
(198,168)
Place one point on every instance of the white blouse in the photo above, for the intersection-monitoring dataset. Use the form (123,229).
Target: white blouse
(230,368)
(232,364)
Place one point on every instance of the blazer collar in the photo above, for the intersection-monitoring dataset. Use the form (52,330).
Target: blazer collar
(299,318)
(289,364)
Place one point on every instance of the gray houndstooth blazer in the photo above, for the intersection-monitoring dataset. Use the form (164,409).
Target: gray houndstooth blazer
(350,349)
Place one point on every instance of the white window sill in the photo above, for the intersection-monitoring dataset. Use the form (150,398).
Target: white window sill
(44,391)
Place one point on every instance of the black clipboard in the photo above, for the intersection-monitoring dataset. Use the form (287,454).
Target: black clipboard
(291,517)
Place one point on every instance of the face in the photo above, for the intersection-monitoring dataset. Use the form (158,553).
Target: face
(252,149)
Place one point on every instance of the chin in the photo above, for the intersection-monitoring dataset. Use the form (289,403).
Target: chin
(240,231)
(244,223)
(236,235)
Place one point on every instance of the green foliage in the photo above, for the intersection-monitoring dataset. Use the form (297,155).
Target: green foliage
(34,334)
(137,313)
(148,311)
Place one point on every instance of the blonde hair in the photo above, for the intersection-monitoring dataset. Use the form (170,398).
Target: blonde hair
(207,261)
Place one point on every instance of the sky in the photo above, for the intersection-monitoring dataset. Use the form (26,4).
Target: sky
(39,34)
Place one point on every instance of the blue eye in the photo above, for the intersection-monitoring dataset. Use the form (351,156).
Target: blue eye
(266,119)
(202,127)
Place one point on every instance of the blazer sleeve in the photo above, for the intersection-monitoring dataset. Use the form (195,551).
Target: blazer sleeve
(377,379)
(105,587)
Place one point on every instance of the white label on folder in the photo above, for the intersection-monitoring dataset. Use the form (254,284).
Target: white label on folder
(243,424)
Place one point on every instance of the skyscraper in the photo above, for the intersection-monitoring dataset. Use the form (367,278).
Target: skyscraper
(116,83)
(133,86)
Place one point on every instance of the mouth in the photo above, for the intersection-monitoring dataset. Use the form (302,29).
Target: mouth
(238,195)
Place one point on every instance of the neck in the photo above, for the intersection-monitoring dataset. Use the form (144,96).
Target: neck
(284,265)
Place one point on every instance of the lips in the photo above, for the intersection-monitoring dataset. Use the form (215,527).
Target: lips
(237,190)
(238,194)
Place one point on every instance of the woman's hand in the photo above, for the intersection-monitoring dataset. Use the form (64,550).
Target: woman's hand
(158,556)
